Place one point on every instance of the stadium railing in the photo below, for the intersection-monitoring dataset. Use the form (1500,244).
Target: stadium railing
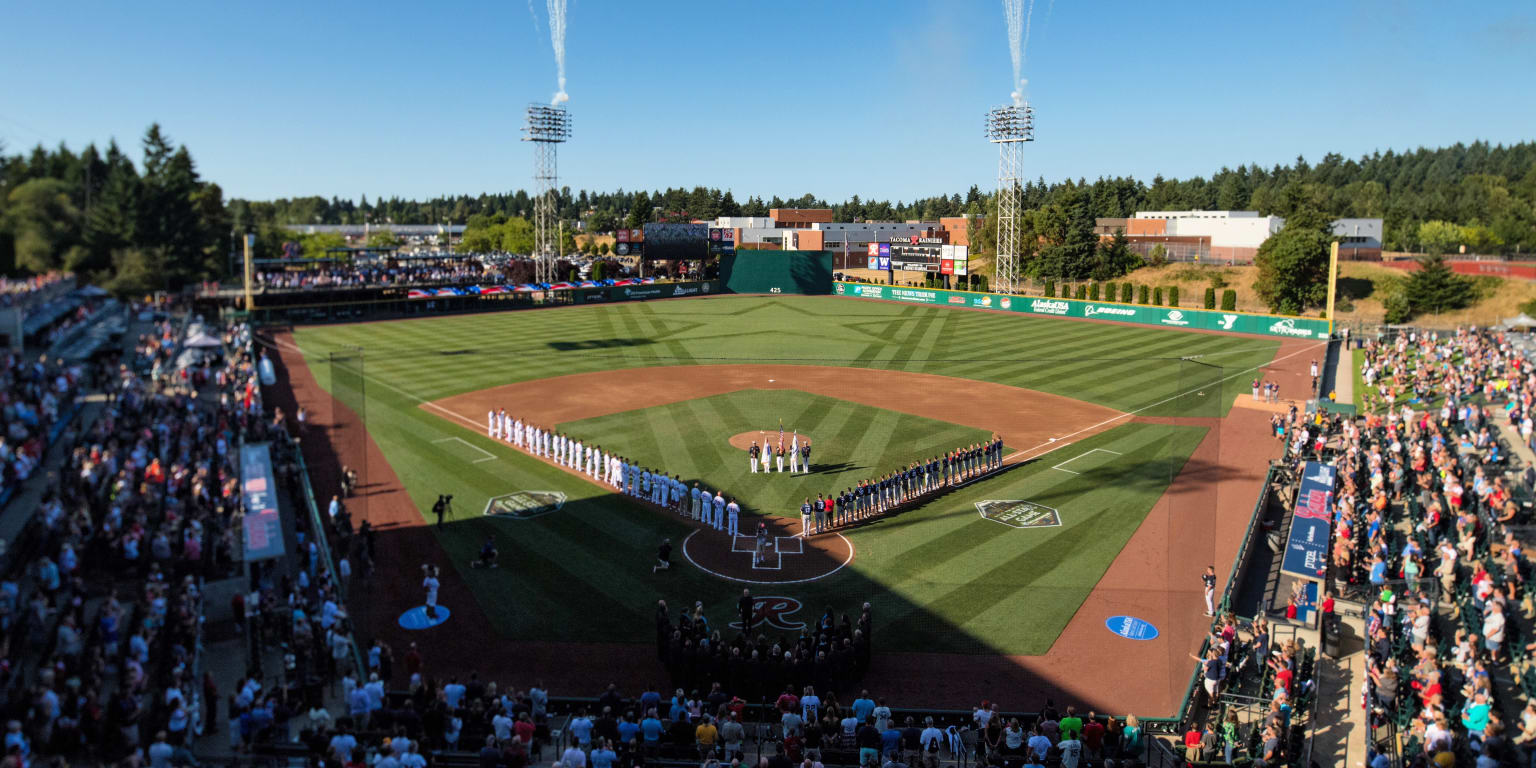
(318,526)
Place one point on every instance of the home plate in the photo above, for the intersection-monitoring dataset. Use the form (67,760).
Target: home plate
(1053,440)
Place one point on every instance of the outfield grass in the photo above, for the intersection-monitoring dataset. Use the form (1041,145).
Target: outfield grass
(941,577)
(851,442)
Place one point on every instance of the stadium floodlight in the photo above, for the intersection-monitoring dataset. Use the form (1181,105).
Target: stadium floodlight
(1009,126)
(548,127)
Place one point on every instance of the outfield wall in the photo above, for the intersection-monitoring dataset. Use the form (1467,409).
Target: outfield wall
(1140,314)
(802,272)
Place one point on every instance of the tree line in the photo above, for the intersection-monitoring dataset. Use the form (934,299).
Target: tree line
(155,223)
(130,227)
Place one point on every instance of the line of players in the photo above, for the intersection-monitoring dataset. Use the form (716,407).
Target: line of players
(884,494)
(629,478)
(564,450)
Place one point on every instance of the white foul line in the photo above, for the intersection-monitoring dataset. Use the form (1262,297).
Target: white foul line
(488,455)
(1080,455)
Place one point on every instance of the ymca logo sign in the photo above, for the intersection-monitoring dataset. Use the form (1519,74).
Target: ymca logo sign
(774,611)
(1226,322)
(1016,513)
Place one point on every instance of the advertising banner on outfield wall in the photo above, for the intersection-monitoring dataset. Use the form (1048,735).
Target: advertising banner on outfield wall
(1167,317)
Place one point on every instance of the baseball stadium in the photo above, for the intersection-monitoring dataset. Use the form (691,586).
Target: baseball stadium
(1069,569)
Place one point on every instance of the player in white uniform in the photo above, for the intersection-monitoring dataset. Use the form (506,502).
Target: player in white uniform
(706,500)
(718,519)
(732,517)
(794,453)
(490,423)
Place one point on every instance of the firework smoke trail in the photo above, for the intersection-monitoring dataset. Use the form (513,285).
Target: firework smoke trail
(1018,14)
(557,39)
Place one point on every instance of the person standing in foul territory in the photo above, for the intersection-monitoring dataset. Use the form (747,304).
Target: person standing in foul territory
(1209,580)
(430,583)
(805,518)
(794,453)
(746,606)
(718,521)
(805,456)
(663,556)
(732,517)
(753,453)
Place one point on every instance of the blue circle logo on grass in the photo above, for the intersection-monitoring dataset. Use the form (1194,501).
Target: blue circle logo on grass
(417,618)
(1131,627)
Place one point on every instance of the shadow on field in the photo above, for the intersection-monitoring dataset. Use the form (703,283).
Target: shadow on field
(576,346)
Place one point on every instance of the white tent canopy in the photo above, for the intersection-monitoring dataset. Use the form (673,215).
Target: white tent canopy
(1521,320)
(203,341)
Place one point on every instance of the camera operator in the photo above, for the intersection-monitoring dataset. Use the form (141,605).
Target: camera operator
(443,507)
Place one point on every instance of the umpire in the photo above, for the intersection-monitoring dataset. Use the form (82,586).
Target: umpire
(746,606)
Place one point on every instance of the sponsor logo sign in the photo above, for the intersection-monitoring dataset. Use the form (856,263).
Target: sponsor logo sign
(874,250)
(1131,628)
(685,290)
(593,296)
(773,611)
(641,293)
(869,291)
(1016,513)
(925,297)
(1174,317)
(1286,326)
(1049,306)
(1005,303)
(1226,321)
(1306,547)
(1092,309)
(841,289)
(983,301)
(957,299)
(522,505)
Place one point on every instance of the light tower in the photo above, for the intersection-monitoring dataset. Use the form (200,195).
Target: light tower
(548,127)
(1008,127)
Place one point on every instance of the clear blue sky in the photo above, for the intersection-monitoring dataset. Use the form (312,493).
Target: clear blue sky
(880,98)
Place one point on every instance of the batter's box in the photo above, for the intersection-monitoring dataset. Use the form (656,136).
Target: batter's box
(1016,513)
(773,558)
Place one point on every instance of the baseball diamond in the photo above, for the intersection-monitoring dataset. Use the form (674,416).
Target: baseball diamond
(1112,438)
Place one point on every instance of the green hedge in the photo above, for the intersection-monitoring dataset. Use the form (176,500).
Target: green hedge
(1127,293)
(1173,296)
(1050,288)
(1082,292)
(1093,292)
(1229,300)
(1157,296)
(1210,298)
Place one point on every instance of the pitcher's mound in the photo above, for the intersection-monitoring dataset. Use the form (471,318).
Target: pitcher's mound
(744,440)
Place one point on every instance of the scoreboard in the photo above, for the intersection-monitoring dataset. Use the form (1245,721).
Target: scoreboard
(920,254)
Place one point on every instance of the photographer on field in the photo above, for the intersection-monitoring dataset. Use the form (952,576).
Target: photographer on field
(443,507)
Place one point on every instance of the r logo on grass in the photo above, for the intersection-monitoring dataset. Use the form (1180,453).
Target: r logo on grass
(523,505)
(773,611)
(1015,513)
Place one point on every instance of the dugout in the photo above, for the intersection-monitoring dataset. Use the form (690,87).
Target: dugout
(802,272)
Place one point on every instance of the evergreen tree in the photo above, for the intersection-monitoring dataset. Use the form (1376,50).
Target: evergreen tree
(1433,287)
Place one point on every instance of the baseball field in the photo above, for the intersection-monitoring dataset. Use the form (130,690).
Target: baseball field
(1103,425)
